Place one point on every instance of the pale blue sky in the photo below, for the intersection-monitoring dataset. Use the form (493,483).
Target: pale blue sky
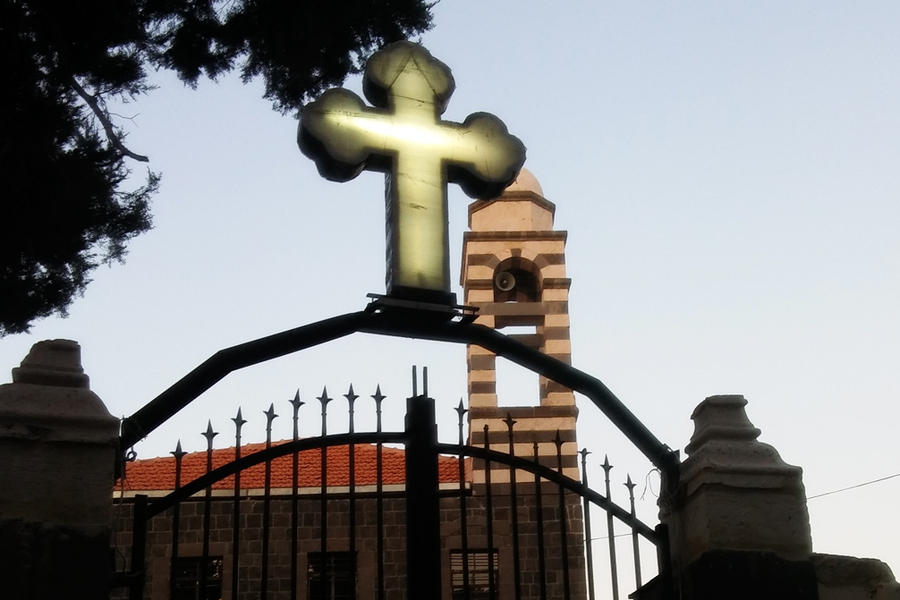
(728,174)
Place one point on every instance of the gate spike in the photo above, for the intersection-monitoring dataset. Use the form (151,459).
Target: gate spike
(509,421)
(324,399)
(558,441)
(238,421)
(209,434)
(630,485)
(584,453)
(378,397)
(350,396)
(461,410)
(270,415)
(178,452)
(296,402)
(606,466)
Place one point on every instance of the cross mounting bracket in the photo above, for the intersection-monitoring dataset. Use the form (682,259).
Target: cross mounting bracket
(427,311)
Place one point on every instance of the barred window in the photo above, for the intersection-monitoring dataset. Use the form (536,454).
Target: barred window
(189,574)
(481,564)
(331,576)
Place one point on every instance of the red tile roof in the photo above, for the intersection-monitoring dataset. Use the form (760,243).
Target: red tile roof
(155,474)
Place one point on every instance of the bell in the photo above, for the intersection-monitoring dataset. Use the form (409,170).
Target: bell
(505,281)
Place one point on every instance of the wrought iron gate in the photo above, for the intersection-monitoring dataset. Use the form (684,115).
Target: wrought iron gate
(523,538)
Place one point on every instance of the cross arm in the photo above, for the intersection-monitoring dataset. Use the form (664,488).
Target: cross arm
(488,157)
(329,133)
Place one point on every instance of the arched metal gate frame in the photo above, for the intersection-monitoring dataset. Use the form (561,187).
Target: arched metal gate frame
(412,320)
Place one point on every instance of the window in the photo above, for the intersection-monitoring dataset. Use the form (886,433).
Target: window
(189,573)
(481,563)
(333,578)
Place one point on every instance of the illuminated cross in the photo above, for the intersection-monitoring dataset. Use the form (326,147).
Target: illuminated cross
(403,137)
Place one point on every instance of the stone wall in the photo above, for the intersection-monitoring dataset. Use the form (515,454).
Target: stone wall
(159,536)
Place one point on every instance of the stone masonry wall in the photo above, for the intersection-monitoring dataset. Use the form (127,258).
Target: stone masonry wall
(159,536)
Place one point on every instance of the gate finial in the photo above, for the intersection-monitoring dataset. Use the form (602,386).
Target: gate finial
(270,416)
(378,397)
(296,402)
(239,421)
(209,434)
(178,452)
(351,399)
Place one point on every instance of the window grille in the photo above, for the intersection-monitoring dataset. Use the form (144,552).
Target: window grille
(337,581)
(481,563)
(189,573)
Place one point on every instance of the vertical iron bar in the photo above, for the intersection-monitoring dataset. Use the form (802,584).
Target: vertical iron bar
(539,505)
(613,566)
(489,517)
(323,507)
(463,524)
(178,453)
(209,434)
(351,399)
(514,511)
(634,535)
(138,547)
(296,403)
(423,531)
(589,545)
(267,498)
(236,509)
(379,497)
(563,521)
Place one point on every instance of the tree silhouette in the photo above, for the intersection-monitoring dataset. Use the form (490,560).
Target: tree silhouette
(63,155)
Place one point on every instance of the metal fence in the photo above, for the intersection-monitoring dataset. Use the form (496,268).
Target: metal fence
(337,530)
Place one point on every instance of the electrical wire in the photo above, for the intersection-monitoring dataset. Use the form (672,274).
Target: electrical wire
(853,487)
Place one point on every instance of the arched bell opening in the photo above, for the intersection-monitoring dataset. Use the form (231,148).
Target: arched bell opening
(517,279)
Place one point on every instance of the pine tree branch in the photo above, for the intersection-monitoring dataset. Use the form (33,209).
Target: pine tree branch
(111,134)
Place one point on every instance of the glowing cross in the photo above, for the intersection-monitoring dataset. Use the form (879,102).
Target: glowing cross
(404,137)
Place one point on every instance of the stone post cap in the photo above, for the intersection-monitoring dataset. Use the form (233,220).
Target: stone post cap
(735,492)
(721,418)
(50,399)
(724,447)
(53,362)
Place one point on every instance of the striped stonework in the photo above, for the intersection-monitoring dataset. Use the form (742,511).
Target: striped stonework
(514,272)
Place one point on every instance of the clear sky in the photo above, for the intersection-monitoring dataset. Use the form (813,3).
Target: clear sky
(728,174)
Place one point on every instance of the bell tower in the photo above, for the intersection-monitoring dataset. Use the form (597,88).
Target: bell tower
(514,272)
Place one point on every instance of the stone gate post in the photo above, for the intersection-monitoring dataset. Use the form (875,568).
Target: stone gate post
(57,458)
(738,522)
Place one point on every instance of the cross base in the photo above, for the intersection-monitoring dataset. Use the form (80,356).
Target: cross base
(445,309)
(416,294)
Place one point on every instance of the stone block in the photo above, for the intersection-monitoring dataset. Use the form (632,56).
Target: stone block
(850,578)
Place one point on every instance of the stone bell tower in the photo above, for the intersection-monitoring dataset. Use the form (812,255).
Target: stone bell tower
(514,271)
